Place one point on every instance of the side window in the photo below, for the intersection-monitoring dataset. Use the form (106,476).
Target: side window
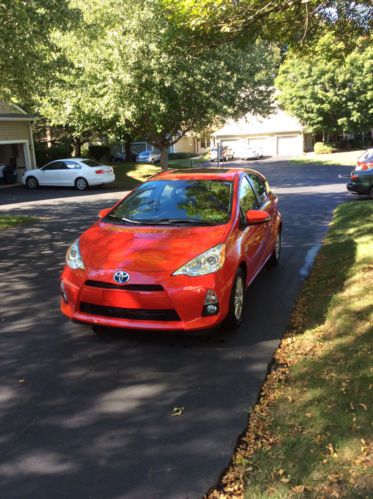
(247,197)
(53,166)
(259,187)
(72,165)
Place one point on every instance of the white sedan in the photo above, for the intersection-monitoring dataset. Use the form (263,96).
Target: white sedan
(76,172)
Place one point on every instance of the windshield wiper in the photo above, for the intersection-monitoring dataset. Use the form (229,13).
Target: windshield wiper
(165,221)
(123,219)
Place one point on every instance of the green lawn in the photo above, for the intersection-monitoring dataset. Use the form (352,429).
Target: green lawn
(130,175)
(310,435)
(338,158)
(7,221)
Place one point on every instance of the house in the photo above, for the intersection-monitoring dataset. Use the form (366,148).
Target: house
(16,140)
(279,134)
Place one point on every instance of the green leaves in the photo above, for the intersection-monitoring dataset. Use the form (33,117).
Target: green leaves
(329,90)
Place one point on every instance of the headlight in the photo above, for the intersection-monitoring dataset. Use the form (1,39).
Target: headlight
(208,262)
(73,258)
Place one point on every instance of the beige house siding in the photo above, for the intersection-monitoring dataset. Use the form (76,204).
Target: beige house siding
(186,144)
(14,130)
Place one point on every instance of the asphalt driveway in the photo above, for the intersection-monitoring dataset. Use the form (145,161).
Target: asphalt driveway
(87,417)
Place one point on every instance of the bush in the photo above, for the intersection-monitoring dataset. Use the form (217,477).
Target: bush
(99,152)
(46,154)
(322,148)
(180,155)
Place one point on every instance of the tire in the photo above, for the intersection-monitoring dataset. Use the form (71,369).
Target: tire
(32,182)
(371,193)
(81,184)
(276,254)
(236,302)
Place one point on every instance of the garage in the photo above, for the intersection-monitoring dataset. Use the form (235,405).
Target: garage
(16,143)
(277,134)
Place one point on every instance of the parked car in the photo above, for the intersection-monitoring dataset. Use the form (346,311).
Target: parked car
(77,172)
(365,161)
(226,153)
(118,157)
(176,254)
(247,152)
(148,157)
(361,182)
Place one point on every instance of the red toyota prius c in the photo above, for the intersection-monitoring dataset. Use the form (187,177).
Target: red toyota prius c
(177,253)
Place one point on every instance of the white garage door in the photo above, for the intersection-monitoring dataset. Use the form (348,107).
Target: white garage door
(289,145)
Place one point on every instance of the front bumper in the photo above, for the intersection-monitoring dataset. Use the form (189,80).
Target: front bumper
(153,301)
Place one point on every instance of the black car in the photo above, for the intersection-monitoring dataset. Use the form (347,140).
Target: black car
(361,182)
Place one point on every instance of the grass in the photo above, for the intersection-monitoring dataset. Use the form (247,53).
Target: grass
(348,158)
(310,435)
(130,175)
(7,221)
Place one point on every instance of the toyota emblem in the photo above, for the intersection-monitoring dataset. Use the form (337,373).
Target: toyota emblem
(121,277)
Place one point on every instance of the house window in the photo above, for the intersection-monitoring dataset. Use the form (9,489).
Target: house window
(205,141)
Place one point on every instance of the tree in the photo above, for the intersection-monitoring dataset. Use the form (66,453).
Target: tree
(293,22)
(28,56)
(132,69)
(326,93)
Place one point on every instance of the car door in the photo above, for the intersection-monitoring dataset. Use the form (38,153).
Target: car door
(50,173)
(70,172)
(252,235)
(266,204)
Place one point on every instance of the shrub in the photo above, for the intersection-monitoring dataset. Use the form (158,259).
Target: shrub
(46,154)
(180,155)
(98,152)
(322,148)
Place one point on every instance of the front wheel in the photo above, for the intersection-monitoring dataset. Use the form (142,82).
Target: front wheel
(236,302)
(81,184)
(371,193)
(275,257)
(32,183)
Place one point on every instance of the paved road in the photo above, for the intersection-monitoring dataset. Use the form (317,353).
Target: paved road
(85,417)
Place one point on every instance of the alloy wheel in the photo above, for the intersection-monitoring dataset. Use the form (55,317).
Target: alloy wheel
(238,298)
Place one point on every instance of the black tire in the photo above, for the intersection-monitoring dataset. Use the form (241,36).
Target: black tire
(236,302)
(276,254)
(371,193)
(32,182)
(81,184)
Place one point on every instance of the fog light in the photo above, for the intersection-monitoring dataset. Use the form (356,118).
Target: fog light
(212,309)
(211,305)
(63,292)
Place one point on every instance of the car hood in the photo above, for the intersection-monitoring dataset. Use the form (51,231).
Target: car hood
(146,249)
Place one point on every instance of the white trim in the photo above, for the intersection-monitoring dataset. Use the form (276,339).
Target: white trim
(14,141)
(17,107)
(16,118)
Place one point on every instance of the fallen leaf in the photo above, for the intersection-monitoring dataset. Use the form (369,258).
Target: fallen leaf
(177,411)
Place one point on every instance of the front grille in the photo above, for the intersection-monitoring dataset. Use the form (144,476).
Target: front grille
(130,313)
(124,287)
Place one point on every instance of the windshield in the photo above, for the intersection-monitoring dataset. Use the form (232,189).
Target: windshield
(200,202)
(91,163)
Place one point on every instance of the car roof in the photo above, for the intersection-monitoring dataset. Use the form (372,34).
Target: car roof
(203,174)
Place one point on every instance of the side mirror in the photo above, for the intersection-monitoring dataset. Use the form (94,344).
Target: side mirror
(255,217)
(103,212)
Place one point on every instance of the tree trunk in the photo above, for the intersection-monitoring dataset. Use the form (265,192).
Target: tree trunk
(127,147)
(48,136)
(77,144)
(164,158)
